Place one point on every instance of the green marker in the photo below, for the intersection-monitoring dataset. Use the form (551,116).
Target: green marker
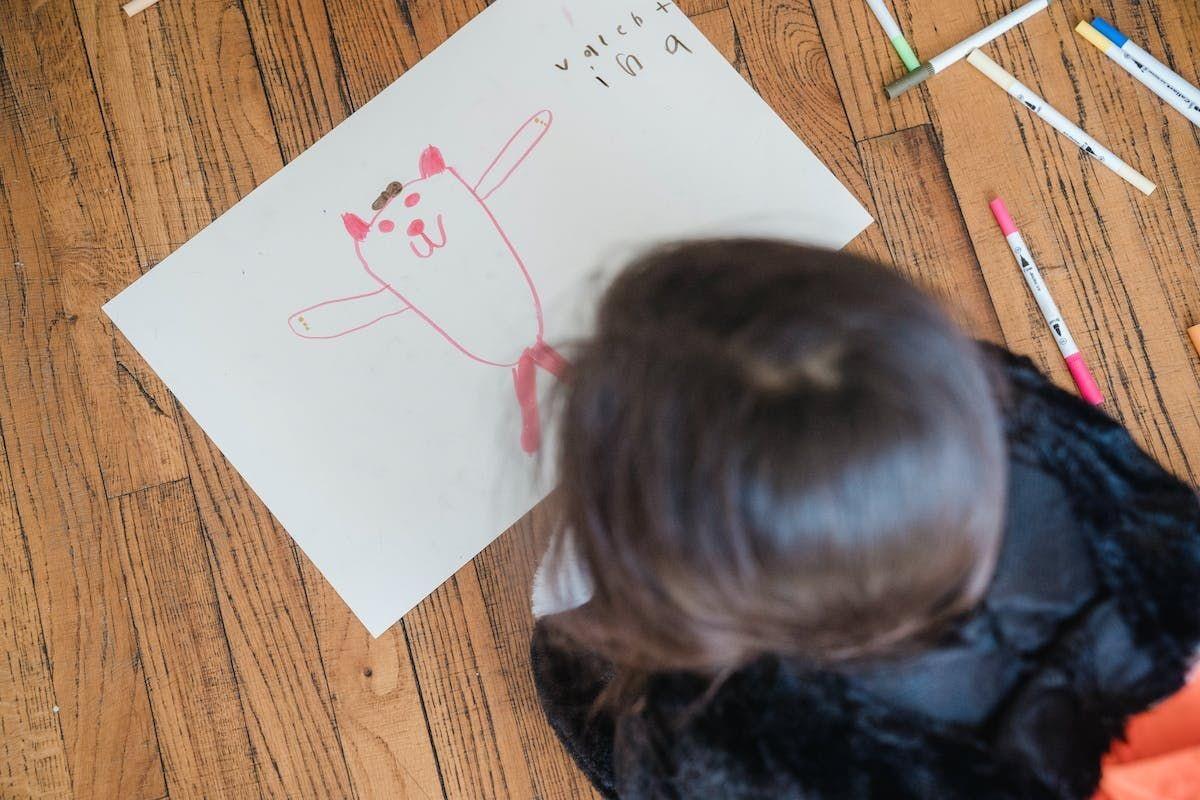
(888,23)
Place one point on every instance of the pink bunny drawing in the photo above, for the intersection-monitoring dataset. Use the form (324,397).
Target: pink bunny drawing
(430,240)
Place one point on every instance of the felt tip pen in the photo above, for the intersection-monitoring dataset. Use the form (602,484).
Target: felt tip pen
(1172,79)
(1026,97)
(1140,73)
(960,50)
(894,34)
(1088,389)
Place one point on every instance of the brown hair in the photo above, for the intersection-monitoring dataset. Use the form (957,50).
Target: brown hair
(767,448)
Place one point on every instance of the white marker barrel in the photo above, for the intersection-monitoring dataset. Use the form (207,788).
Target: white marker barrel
(886,20)
(1030,99)
(1089,390)
(997,28)
(1041,295)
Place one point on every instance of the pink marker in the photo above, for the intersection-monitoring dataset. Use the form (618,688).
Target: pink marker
(1088,389)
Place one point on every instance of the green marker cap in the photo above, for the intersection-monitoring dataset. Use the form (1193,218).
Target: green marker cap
(905,51)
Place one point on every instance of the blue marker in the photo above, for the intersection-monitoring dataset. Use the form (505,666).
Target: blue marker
(1138,71)
(1156,69)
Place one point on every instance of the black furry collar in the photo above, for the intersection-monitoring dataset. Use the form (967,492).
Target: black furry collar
(1094,615)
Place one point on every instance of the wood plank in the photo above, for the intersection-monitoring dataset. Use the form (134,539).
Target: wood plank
(924,227)
(56,370)
(1086,226)
(381,720)
(197,63)
(33,759)
(186,115)
(376,44)
(695,8)
(75,401)
(863,62)
(301,70)
(88,237)
(202,732)
(473,728)
(787,62)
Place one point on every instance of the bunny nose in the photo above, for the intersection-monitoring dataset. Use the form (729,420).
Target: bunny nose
(416,227)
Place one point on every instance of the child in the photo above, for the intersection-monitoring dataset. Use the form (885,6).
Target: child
(818,544)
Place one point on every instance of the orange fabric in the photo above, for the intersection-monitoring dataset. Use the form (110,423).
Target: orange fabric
(1160,758)
(1173,724)
(1175,776)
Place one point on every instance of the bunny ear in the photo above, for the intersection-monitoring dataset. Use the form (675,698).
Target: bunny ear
(356,226)
(431,162)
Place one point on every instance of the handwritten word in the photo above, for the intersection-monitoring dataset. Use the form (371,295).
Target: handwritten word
(618,44)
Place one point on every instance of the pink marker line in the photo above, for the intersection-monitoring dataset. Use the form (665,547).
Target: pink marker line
(1088,389)
(300,326)
(335,318)
(512,250)
(530,132)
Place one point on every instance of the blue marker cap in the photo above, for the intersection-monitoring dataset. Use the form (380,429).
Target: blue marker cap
(1110,33)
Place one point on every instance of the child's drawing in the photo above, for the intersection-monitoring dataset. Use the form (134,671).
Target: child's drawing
(430,240)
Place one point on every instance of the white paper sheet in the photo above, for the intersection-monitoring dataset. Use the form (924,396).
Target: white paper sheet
(544,142)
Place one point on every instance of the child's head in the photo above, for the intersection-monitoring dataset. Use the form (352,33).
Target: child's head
(767,448)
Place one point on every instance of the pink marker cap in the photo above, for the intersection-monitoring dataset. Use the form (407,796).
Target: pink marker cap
(1003,218)
(1088,389)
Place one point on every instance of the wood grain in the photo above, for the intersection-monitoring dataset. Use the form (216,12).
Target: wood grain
(470,642)
(380,712)
(1162,141)
(472,729)
(789,67)
(924,227)
(863,62)
(87,233)
(300,69)
(194,693)
(227,148)
(184,106)
(269,627)
(695,8)
(33,758)
(146,593)
(59,399)
(376,44)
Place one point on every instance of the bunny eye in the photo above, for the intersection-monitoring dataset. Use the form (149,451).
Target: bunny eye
(387,226)
(412,199)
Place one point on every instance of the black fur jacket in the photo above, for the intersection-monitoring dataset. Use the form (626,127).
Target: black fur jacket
(1093,615)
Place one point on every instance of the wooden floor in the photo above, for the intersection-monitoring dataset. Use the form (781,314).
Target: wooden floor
(163,637)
